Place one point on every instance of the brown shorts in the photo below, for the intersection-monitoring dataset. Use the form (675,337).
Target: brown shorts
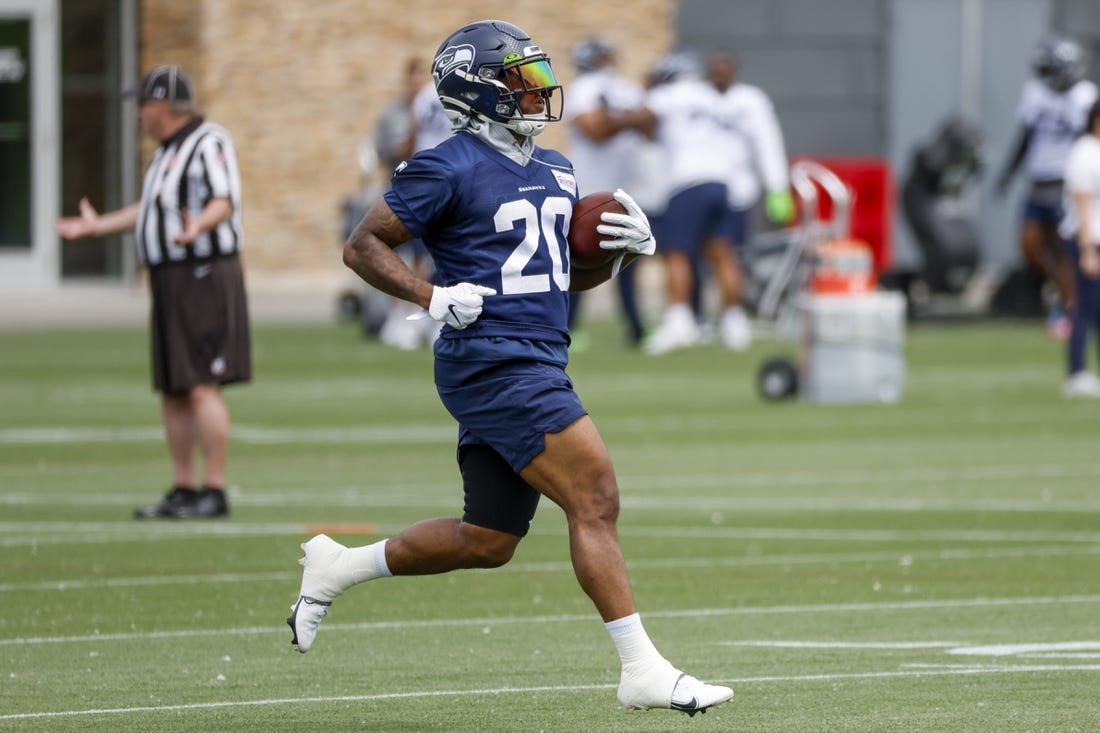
(199,325)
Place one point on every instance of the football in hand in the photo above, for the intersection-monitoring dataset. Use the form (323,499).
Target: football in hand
(584,241)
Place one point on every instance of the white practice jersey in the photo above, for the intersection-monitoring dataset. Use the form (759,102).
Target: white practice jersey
(1056,119)
(606,164)
(1082,177)
(692,133)
(758,157)
(429,119)
(649,185)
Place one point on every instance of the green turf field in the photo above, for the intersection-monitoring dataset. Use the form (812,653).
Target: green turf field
(929,566)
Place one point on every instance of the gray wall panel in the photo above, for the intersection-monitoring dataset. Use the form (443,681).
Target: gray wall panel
(832,131)
(738,19)
(831,18)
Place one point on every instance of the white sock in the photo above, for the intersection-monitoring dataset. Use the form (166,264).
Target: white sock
(678,314)
(632,641)
(366,563)
(734,311)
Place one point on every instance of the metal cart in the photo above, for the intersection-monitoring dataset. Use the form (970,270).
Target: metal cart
(817,291)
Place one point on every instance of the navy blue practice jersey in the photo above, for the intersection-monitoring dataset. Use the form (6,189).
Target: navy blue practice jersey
(487,220)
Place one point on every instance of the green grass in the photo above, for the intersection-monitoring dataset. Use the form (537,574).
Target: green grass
(829,562)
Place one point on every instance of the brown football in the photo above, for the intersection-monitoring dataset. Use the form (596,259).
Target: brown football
(584,241)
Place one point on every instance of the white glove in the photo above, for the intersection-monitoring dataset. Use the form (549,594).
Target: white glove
(630,231)
(459,305)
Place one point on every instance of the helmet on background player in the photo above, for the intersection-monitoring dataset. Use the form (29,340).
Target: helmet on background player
(485,68)
(677,65)
(592,54)
(1059,62)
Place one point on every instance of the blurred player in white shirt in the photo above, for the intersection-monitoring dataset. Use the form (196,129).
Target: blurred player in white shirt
(758,161)
(1081,230)
(686,115)
(1052,114)
(760,157)
(431,125)
(603,148)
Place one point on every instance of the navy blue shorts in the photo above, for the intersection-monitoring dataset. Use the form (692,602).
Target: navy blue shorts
(695,215)
(1044,203)
(506,393)
(1051,215)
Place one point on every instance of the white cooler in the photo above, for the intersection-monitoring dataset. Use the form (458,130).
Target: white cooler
(853,348)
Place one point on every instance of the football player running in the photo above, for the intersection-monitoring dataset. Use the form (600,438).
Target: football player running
(1052,111)
(493,210)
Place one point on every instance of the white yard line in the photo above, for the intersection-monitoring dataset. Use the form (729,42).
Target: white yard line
(885,645)
(695,562)
(634,488)
(445,431)
(253,435)
(448,495)
(569,618)
(425,694)
(30,534)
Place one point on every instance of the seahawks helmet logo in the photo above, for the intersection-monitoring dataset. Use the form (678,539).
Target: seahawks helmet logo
(451,59)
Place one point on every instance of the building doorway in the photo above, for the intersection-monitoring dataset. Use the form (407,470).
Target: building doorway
(64,133)
(98,157)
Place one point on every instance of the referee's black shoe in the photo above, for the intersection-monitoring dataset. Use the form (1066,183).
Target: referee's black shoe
(175,500)
(211,503)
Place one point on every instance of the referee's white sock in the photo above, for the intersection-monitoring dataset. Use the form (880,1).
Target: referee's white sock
(633,643)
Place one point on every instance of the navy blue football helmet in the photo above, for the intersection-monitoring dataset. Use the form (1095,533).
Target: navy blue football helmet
(486,67)
(676,65)
(1059,62)
(592,54)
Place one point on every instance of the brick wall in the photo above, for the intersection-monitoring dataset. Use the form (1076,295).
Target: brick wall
(298,84)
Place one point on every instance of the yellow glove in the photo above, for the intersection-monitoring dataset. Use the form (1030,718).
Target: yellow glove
(779,206)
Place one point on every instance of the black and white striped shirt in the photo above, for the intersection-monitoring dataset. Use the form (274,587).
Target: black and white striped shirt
(196,165)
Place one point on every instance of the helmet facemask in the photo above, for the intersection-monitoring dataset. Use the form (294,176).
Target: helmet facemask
(518,81)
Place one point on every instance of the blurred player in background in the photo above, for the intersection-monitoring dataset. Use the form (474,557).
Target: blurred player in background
(431,125)
(1081,229)
(603,148)
(492,209)
(405,124)
(1052,114)
(758,161)
(395,133)
(684,113)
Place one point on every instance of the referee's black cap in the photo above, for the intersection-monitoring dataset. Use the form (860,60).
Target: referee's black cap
(164,82)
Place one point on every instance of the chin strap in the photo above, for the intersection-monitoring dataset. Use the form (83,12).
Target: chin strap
(526,127)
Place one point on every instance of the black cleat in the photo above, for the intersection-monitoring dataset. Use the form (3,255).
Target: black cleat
(210,503)
(173,502)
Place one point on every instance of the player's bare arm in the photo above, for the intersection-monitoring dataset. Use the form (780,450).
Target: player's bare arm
(369,254)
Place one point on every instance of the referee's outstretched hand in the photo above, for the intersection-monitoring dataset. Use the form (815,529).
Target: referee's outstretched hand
(76,227)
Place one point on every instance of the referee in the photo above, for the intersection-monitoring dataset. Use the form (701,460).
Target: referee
(188,229)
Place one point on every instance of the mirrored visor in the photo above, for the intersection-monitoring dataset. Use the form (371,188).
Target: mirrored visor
(530,75)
